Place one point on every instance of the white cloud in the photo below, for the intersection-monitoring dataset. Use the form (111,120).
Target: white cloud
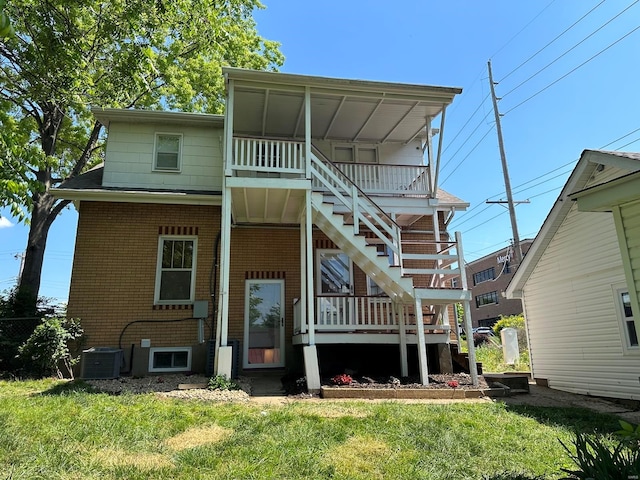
(5,223)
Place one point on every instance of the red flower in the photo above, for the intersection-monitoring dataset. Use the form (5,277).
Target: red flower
(342,379)
(453,383)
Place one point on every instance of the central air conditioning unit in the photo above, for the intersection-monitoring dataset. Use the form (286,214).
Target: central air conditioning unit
(101,363)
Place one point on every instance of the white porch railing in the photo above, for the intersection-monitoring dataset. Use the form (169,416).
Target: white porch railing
(347,313)
(396,180)
(359,314)
(273,156)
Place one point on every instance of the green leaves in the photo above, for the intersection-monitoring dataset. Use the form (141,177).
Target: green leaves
(64,57)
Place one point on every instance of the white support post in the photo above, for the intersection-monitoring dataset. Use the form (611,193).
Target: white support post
(422,346)
(473,368)
(355,208)
(303,273)
(228,128)
(307,133)
(399,312)
(309,260)
(430,165)
(223,352)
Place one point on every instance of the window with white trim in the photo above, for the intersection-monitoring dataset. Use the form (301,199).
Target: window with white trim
(176,270)
(630,335)
(168,152)
(170,359)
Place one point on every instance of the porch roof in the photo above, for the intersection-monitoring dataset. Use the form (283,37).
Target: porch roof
(270,104)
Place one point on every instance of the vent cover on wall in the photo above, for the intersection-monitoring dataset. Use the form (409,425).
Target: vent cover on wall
(101,362)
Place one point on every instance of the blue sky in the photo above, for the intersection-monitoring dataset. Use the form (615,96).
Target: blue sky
(547,121)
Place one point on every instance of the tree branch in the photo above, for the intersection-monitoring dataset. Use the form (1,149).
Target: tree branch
(86,154)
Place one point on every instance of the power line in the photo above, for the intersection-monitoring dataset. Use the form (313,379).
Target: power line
(627,144)
(543,181)
(486,221)
(468,154)
(552,41)
(466,140)
(466,123)
(522,29)
(620,138)
(573,70)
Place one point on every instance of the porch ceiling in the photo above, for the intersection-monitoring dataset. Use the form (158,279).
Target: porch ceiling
(270,104)
(267,205)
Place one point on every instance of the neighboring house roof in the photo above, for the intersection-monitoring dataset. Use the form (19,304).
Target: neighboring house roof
(589,162)
(88,186)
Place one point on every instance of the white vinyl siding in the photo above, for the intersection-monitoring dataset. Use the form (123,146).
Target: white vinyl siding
(574,332)
(130,158)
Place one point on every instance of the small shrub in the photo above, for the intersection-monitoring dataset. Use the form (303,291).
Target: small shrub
(48,347)
(221,382)
(512,321)
(342,379)
(453,383)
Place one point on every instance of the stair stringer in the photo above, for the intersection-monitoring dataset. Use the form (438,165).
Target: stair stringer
(389,278)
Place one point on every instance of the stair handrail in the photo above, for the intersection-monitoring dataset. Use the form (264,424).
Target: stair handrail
(389,224)
(318,153)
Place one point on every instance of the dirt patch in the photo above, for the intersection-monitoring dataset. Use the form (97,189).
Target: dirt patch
(195,437)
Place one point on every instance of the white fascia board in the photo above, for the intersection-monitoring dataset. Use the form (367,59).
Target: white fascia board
(106,115)
(577,180)
(277,78)
(138,197)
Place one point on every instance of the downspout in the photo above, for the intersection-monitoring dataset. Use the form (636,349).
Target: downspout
(214,290)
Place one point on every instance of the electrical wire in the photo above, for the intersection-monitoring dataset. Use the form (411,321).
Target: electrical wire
(551,42)
(573,70)
(571,49)
(466,123)
(620,138)
(465,142)
(627,144)
(468,154)
(522,29)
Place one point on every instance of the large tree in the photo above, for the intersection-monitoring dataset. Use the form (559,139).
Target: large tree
(65,56)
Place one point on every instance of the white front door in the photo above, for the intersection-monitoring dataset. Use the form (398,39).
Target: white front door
(264,324)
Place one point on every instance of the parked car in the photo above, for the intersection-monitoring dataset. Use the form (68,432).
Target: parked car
(483,330)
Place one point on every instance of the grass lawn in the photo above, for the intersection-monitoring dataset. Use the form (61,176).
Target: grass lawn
(50,429)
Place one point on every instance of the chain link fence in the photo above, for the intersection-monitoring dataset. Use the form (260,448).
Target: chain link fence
(13,333)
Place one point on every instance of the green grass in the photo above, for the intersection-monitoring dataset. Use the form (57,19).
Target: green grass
(55,430)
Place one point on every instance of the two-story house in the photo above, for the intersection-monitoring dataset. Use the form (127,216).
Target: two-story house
(304,229)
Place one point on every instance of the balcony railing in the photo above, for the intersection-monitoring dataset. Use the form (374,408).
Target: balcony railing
(270,156)
(393,180)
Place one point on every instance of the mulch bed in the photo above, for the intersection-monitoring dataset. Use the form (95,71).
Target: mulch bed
(461,381)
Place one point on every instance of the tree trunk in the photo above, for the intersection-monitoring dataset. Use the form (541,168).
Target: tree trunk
(42,217)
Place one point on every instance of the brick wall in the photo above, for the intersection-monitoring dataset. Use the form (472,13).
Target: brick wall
(114,271)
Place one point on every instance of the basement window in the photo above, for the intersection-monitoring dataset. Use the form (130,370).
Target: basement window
(170,359)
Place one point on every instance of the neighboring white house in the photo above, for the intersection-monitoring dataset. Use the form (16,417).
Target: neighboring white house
(580,281)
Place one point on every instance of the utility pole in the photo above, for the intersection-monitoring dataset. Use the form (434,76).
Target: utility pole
(517,251)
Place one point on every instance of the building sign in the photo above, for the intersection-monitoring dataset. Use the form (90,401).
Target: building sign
(503,258)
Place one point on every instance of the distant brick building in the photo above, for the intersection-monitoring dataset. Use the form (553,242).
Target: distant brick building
(488,278)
